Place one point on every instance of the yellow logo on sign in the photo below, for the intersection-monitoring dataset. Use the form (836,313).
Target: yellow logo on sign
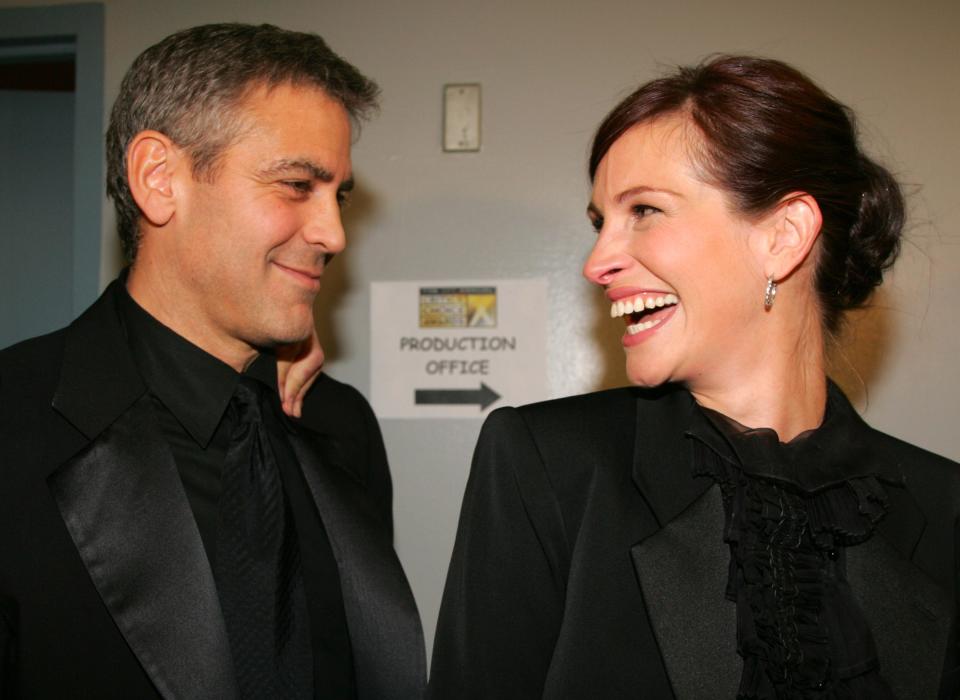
(458,307)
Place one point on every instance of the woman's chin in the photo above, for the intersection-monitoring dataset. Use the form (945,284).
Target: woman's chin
(645,375)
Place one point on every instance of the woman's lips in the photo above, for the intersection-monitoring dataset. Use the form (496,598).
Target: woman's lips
(640,302)
(644,313)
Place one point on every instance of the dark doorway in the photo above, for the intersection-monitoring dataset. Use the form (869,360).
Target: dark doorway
(51,109)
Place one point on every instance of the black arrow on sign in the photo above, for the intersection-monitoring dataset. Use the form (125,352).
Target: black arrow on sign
(483,396)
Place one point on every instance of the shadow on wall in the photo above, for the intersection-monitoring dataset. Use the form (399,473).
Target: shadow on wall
(864,349)
(337,280)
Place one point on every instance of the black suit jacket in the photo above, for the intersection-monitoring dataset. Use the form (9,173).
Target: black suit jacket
(105,589)
(589,562)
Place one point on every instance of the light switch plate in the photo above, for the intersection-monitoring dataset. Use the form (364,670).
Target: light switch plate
(461,117)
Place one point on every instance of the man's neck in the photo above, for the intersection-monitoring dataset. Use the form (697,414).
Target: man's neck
(153,291)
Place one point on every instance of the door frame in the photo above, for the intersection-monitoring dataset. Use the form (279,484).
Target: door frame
(81,24)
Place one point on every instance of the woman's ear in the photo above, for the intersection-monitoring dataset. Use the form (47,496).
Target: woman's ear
(787,234)
(152,159)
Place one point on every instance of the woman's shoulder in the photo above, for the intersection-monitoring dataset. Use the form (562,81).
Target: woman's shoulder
(599,410)
(922,470)
(924,510)
(584,424)
(561,431)
(571,437)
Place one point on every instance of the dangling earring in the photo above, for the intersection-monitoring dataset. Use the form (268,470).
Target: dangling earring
(770,293)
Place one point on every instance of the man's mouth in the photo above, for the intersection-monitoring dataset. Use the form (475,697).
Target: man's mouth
(307,277)
(642,312)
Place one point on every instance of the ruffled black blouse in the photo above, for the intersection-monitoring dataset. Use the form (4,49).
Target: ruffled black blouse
(792,510)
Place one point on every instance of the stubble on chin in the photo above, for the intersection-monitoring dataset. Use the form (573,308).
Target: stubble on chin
(296,327)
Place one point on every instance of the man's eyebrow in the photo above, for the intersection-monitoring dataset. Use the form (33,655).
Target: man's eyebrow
(286,166)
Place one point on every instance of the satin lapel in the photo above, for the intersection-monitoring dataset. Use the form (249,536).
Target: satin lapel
(908,613)
(683,573)
(682,566)
(662,467)
(124,506)
(385,630)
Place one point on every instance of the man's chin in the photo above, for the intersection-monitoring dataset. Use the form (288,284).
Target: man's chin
(282,337)
(273,344)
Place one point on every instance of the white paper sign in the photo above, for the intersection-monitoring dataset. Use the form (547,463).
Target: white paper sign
(457,349)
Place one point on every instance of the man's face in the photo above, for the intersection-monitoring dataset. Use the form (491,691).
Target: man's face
(252,244)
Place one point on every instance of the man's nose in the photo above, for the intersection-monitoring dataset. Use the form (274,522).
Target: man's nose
(324,227)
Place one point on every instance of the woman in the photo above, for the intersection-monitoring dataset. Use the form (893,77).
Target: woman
(731,528)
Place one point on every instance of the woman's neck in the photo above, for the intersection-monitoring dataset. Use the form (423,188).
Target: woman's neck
(779,383)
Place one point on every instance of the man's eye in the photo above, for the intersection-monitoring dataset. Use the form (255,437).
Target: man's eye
(596,223)
(343,198)
(299,186)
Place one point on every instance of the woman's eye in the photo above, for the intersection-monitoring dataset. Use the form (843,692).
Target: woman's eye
(642,210)
(596,223)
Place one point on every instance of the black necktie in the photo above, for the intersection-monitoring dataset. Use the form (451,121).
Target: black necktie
(257,565)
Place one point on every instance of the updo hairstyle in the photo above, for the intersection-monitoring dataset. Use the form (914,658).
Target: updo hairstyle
(767,131)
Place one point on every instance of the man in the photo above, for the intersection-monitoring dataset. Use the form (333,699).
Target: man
(164,529)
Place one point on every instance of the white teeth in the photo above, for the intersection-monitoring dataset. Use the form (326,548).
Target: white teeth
(644,326)
(639,303)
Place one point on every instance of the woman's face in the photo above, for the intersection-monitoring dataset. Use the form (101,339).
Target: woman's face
(673,259)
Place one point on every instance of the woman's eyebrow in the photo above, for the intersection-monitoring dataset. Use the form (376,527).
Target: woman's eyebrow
(642,189)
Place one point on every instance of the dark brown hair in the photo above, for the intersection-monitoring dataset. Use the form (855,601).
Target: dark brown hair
(767,131)
(191,85)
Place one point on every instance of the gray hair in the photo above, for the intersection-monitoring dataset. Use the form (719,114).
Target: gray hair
(191,85)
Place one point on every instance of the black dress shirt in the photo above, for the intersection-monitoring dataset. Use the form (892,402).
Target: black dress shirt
(190,390)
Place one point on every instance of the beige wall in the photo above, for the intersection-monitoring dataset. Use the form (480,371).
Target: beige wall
(550,70)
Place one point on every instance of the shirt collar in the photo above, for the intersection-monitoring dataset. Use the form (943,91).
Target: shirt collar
(838,450)
(264,370)
(193,384)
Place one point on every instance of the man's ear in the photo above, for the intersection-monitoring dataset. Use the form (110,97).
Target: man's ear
(787,235)
(152,160)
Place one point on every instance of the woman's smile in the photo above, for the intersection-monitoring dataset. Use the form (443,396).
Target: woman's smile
(644,313)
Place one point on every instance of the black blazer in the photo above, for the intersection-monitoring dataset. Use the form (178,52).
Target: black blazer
(105,589)
(589,562)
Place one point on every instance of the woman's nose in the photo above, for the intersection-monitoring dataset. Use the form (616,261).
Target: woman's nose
(605,260)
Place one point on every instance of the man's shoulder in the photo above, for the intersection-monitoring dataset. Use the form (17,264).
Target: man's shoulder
(25,350)
(334,407)
(29,377)
(341,415)
(35,364)
(32,366)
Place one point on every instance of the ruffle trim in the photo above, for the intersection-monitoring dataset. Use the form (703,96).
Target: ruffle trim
(800,630)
